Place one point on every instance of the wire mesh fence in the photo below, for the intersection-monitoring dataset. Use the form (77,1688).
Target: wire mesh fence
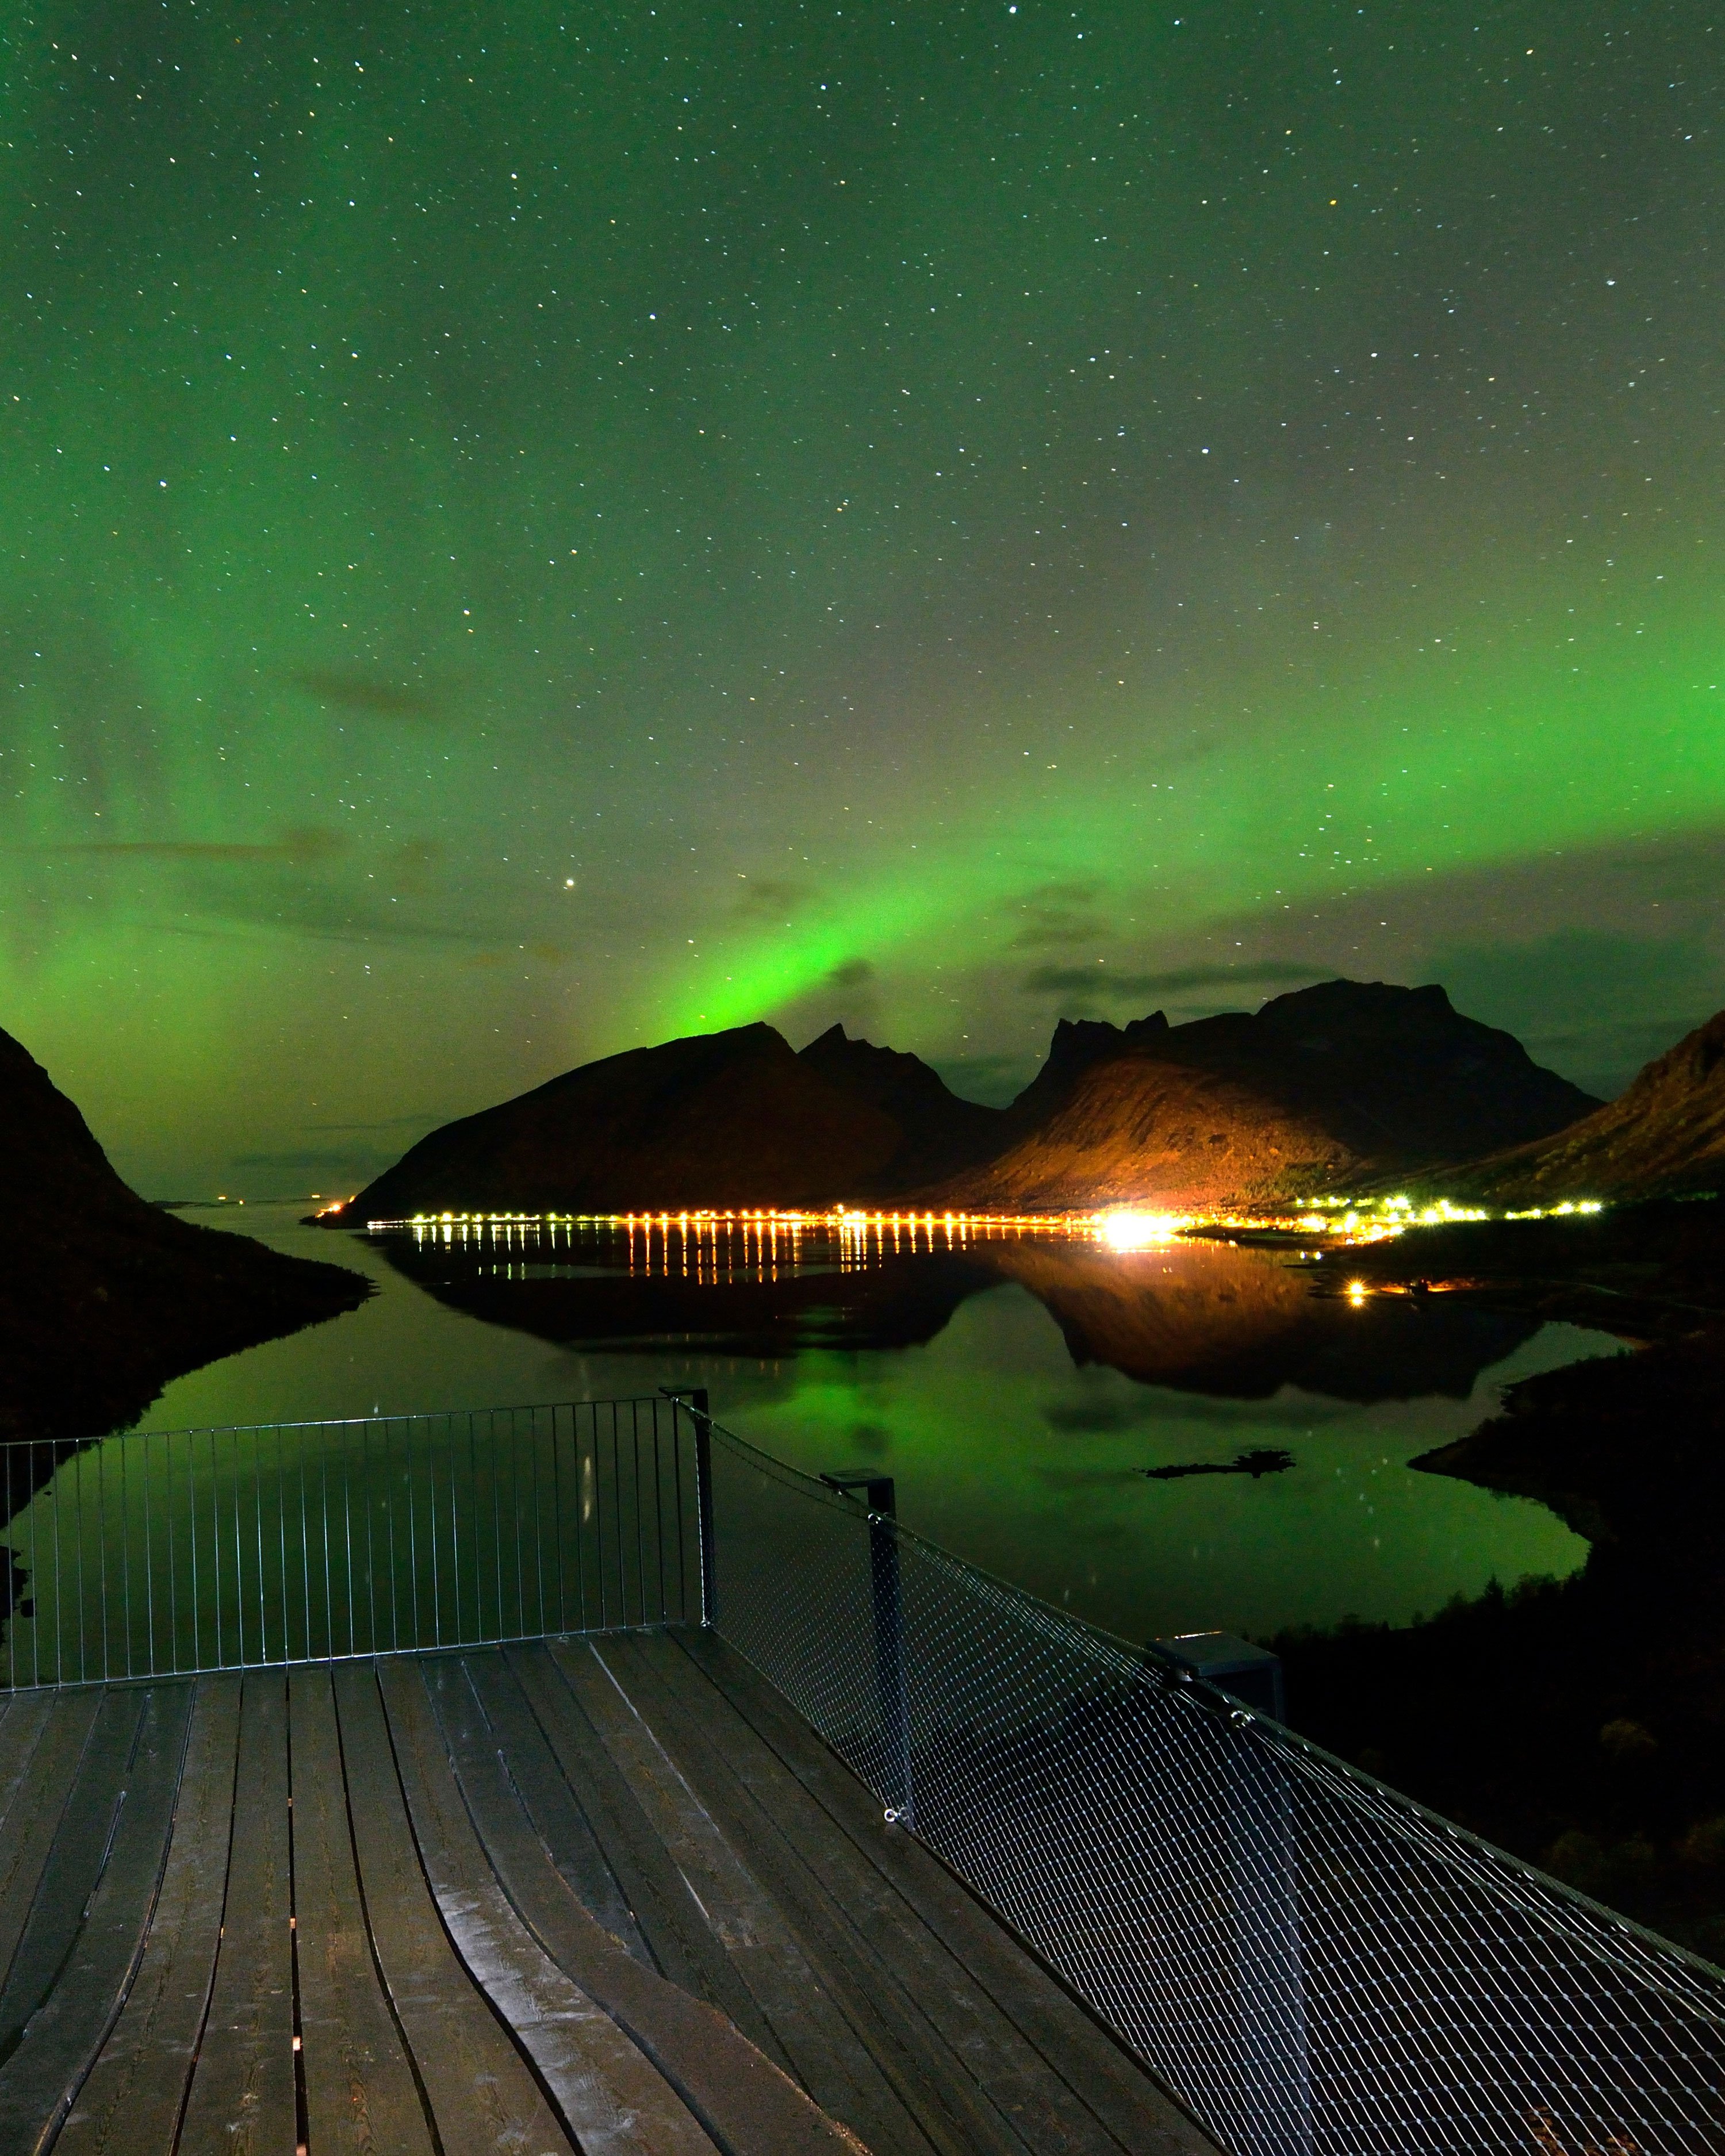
(1316,1965)
(164,1551)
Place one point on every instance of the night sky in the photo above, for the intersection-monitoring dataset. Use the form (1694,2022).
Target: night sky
(532,529)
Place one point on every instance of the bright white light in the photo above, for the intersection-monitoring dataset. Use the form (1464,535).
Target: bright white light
(1136,1231)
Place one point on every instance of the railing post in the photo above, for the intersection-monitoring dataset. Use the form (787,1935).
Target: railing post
(887,1585)
(1264,1883)
(698,1401)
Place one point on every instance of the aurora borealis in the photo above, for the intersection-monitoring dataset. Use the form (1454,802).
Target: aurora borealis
(528,531)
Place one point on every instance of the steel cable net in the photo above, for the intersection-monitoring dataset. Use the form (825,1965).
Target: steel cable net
(1313,1963)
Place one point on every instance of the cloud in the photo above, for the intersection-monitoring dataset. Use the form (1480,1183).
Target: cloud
(852,973)
(1060,913)
(357,1165)
(1107,983)
(364,692)
(298,848)
(770,898)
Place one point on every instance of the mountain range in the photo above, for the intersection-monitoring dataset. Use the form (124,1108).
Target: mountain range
(1663,1136)
(1323,1088)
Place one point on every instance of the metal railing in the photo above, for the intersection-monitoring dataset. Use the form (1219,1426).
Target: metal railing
(167,1552)
(1316,1965)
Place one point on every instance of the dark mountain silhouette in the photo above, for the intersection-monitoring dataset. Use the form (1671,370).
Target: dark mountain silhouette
(1327,1085)
(104,1298)
(717,1119)
(1663,1136)
(1078,1045)
(1319,1088)
(942,1133)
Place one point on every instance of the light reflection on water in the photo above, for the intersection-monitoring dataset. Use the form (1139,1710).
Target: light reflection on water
(1015,1386)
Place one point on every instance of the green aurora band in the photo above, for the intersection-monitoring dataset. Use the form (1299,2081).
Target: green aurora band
(528,534)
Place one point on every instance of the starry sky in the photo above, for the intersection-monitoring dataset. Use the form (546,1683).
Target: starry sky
(531,530)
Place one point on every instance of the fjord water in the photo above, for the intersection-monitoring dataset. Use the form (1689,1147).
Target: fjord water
(1016,1387)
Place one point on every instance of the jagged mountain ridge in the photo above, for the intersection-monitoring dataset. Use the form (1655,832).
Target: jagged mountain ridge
(943,1133)
(1663,1136)
(735,1118)
(1324,1086)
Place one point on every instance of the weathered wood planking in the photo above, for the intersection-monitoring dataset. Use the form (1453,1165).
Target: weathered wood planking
(242,2099)
(605,1895)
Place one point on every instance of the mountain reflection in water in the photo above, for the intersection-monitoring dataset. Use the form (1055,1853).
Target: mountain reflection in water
(1196,1316)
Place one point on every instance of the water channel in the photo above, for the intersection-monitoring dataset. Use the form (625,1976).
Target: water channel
(1018,1387)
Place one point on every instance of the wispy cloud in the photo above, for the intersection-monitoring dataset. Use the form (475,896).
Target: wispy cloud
(297,848)
(365,693)
(1112,983)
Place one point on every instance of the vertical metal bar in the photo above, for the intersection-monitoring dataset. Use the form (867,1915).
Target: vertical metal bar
(173,1578)
(677,1514)
(192,1543)
(455,1523)
(389,1502)
(126,1546)
(890,1643)
(257,1439)
(323,1507)
(413,1542)
(706,1541)
(348,1535)
(149,1565)
(538,1519)
(233,1437)
(557,1514)
(215,1544)
(59,1592)
(496,1525)
(365,1487)
(305,1552)
(287,1644)
(580,1517)
(887,1594)
(598,1512)
(634,1447)
(659,1510)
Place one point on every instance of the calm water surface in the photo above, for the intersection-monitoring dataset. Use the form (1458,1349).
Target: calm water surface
(1016,1389)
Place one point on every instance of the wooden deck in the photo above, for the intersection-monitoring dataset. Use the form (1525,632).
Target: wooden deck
(606,1895)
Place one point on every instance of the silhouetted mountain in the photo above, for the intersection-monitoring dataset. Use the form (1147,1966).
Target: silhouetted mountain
(942,1133)
(1663,1136)
(104,1298)
(1078,1043)
(717,1119)
(1327,1085)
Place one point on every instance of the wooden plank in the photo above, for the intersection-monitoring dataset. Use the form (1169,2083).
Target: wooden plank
(242,2097)
(483,2096)
(1123,2093)
(132,2099)
(672,1922)
(484,1685)
(864,1921)
(743,2100)
(83,1990)
(966,2093)
(611,2098)
(362,2093)
(48,1780)
(26,1717)
(73,1862)
(827,2053)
